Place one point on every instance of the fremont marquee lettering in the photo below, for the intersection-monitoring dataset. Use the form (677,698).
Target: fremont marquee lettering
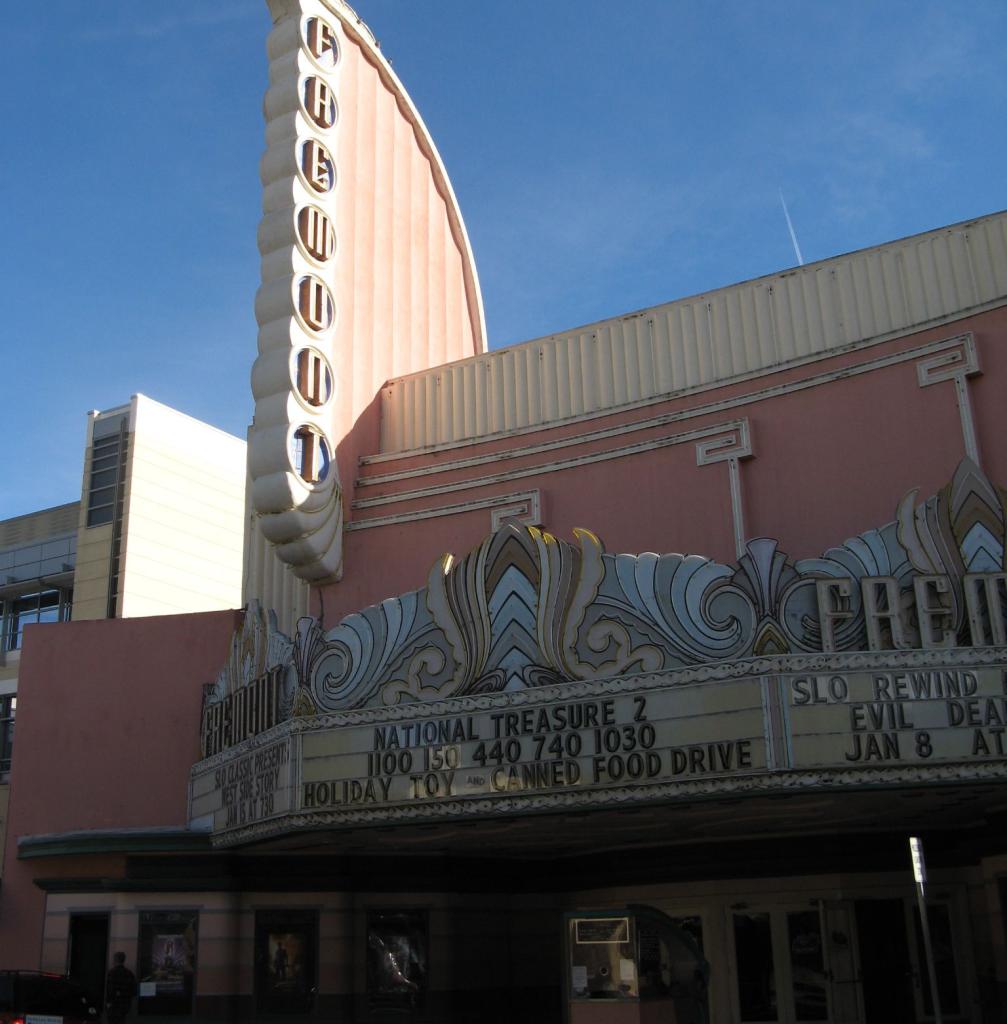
(985,596)
(245,713)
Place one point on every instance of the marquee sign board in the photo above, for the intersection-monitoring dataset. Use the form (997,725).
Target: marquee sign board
(534,672)
(761,724)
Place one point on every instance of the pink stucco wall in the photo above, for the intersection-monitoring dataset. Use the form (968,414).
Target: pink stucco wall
(830,461)
(107,730)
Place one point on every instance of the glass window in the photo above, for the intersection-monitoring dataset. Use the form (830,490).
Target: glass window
(286,944)
(672,966)
(396,960)
(21,611)
(753,946)
(107,457)
(167,962)
(8,708)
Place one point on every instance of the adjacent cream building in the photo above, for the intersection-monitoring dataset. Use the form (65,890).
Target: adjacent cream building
(158,530)
(161,515)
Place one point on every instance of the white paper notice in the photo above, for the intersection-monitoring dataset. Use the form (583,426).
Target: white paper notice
(579,978)
(148,988)
(627,970)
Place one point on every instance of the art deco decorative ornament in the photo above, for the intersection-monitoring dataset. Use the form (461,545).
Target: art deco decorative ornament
(676,672)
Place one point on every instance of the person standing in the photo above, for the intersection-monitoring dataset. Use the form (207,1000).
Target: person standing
(120,987)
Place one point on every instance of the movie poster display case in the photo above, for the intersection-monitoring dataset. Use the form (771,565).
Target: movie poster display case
(286,961)
(167,962)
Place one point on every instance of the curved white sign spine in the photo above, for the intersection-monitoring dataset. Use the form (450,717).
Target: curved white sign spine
(367,273)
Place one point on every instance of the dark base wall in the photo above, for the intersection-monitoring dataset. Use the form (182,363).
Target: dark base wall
(488,1006)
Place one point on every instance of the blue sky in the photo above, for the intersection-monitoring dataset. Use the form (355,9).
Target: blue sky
(606,157)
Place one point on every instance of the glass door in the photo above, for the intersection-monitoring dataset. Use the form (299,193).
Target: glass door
(780,969)
(87,955)
(939,916)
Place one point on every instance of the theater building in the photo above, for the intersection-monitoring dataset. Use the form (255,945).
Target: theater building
(604,678)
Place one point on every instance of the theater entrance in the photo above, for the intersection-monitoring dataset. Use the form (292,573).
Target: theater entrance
(87,954)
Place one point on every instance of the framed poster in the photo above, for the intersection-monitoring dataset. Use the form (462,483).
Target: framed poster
(397,943)
(286,960)
(167,962)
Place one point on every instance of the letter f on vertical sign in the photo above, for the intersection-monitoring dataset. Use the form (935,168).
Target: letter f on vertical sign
(322,41)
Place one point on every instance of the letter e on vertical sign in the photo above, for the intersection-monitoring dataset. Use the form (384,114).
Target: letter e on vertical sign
(317,166)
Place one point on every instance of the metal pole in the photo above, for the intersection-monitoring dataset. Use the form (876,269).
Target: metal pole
(920,874)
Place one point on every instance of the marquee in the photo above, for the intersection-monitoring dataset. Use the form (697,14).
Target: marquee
(538,675)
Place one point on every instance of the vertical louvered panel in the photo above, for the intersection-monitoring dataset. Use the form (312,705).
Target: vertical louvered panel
(797,316)
(646,366)
(533,390)
(912,281)
(733,331)
(710,317)
(669,348)
(429,422)
(730,359)
(602,370)
(691,370)
(767,353)
(462,392)
(578,402)
(811,294)
(391,414)
(996,248)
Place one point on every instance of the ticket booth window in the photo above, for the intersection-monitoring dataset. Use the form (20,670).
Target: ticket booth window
(602,958)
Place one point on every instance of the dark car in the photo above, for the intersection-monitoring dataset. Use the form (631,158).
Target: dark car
(32,997)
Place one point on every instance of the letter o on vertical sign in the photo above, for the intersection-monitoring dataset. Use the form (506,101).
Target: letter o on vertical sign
(315,235)
(313,303)
(312,378)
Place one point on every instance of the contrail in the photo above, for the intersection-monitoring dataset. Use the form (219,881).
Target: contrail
(790,228)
